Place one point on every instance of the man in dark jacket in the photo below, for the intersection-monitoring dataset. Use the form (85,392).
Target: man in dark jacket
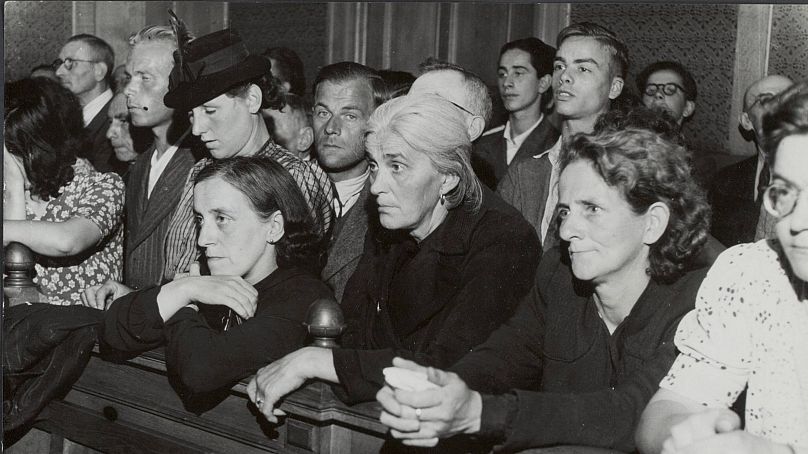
(524,76)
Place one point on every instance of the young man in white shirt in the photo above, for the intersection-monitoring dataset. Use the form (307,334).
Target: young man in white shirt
(524,76)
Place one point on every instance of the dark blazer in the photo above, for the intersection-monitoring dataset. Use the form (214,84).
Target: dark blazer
(433,301)
(347,242)
(525,187)
(735,212)
(488,157)
(554,366)
(147,218)
(100,152)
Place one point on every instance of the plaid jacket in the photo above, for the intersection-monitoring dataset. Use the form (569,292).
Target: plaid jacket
(180,246)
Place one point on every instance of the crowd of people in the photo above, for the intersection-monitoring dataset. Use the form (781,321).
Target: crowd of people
(562,279)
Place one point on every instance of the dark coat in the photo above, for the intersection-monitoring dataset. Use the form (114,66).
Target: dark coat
(147,218)
(735,212)
(433,301)
(100,152)
(566,379)
(347,242)
(45,350)
(488,157)
(200,356)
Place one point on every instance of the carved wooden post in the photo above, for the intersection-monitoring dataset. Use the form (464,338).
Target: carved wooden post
(18,285)
(325,323)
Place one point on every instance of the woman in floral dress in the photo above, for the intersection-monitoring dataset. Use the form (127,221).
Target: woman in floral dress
(54,202)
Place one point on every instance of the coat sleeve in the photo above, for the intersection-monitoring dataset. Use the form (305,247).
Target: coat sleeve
(205,359)
(133,323)
(497,271)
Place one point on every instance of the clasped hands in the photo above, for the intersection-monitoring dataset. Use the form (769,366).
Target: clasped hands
(421,418)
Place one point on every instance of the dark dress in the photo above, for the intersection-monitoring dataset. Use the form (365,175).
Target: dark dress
(204,358)
(432,302)
(554,375)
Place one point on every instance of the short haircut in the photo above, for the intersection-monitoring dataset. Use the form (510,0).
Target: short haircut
(347,71)
(618,66)
(300,106)
(688,82)
(289,67)
(476,90)
(43,126)
(398,83)
(541,54)
(787,116)
(432,125)
(101,50)
(270,188)
(154,33)
(641,117)
(647,169)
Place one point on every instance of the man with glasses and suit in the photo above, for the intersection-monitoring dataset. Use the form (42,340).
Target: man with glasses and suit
(84,67)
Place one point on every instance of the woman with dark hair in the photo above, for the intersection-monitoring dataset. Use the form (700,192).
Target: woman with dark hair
(748,329)
(586,349)
(262,251)
(56,203)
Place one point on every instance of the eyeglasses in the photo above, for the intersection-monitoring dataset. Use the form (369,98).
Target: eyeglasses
(669,89)
(462,108)
(780,199)
(68,62)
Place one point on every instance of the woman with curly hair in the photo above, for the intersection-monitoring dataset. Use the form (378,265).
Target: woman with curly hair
(56,203)
(262,253)
(586,349)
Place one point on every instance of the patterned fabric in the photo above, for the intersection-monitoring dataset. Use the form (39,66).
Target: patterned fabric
(181,247)
(99,198)
(748,329)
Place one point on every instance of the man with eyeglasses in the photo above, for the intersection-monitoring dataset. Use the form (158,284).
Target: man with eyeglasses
(736,191)
(84,67)
(669,86)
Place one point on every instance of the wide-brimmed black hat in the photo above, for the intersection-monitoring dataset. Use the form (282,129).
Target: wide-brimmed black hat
(208,66)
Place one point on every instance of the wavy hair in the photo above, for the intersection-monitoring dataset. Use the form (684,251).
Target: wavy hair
(618,66)
(787,116)
(648,169)
(431,125)
(270,188)
(43,123)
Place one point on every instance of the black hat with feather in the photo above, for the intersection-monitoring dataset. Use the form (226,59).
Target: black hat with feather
(209,66)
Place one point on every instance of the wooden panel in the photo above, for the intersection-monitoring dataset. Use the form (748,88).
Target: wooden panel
(520,21)
(751,56)
(413,34)
(550,18)
(202,17)
(156,13)
(125,407)
(480,30)
(115,21)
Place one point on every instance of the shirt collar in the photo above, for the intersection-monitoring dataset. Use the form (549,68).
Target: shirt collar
(520,139)
(92,108)
(554,152)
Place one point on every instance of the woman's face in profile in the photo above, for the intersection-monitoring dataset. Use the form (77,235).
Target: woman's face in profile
(405,183)
(791,170)
(606,237)
(234,237)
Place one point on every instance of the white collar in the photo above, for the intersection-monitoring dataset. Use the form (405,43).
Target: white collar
(520,139)
(92,108)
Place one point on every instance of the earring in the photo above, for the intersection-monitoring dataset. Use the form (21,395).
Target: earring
(443,199)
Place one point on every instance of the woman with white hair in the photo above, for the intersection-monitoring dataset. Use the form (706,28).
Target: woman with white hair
(445,267)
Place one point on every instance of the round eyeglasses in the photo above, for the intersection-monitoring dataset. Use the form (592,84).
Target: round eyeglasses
(669,89)
(780,198)
(68,62)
